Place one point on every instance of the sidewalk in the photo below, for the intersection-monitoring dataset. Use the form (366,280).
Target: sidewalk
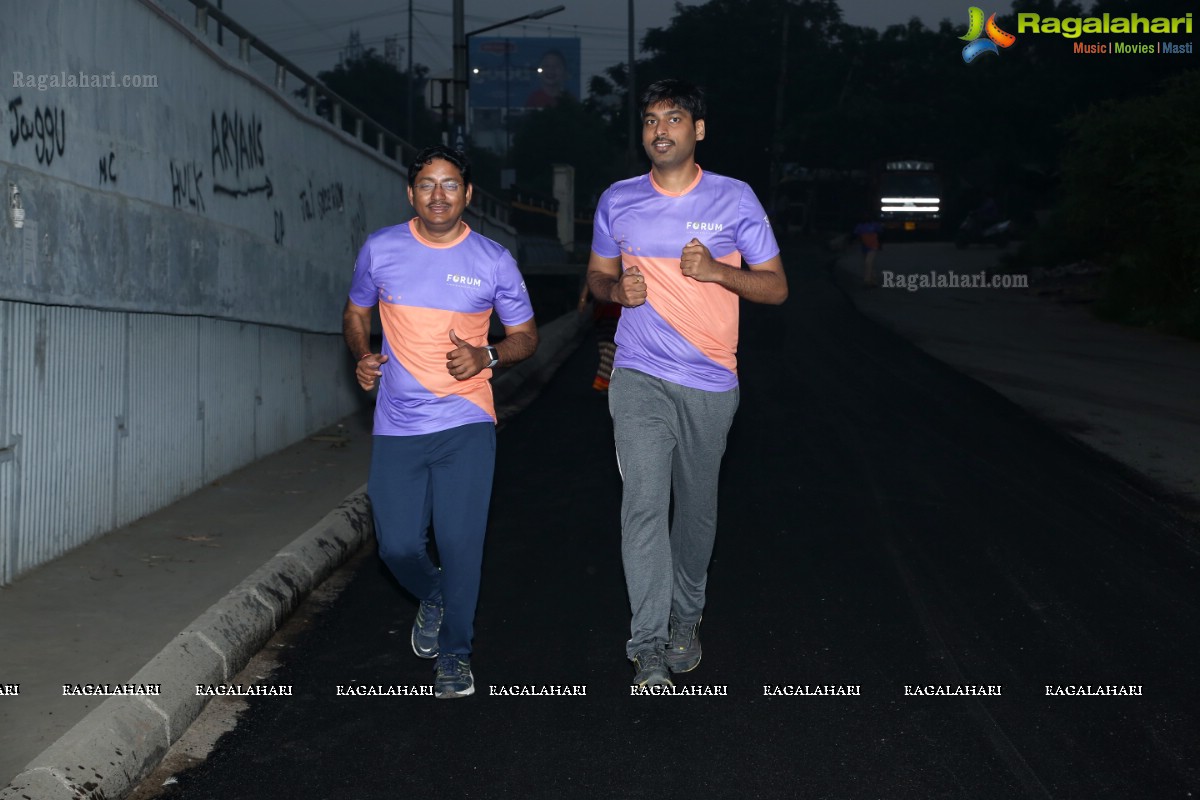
(168,600)
(110,606)
(1128,393)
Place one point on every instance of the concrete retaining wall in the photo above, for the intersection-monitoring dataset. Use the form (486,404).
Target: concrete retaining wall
(171,308)
(203,192)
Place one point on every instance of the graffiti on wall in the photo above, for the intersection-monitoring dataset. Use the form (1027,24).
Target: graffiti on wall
(108,170)
(46,129)
(185,185)
(318,203)
(237,148)
(358,224)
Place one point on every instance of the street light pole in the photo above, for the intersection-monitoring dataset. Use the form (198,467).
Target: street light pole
(409,115)
(545,12)
(460,75)
(507,102)
(631,151)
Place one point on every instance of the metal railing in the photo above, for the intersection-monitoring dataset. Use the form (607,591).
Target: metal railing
(340,110)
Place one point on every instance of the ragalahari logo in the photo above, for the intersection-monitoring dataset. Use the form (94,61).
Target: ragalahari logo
(996,38)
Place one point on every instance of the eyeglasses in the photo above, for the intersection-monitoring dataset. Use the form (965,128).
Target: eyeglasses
(449,187)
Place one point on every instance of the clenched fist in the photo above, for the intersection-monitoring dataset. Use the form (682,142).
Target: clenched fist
(368,371)
(697,263)
(630,289)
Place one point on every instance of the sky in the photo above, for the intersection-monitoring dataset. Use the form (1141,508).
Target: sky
(313,32)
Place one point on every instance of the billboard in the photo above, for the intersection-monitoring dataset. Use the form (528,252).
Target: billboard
(522,72)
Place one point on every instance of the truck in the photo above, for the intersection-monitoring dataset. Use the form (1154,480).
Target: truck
(909,194)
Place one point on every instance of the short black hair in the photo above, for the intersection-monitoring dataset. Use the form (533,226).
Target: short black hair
(685,95)
(456,157)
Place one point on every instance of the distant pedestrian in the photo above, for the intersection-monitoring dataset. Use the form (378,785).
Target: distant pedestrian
(869,234)
(605,316)
(668,247)
(436,283)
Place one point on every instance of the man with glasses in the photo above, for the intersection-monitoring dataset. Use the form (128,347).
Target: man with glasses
(436,283)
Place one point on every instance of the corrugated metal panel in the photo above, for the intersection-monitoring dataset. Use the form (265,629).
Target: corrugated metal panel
(65,390)
(328,381)
(160,449)
(8,462)
(106,417)
(227,383)
(280,412)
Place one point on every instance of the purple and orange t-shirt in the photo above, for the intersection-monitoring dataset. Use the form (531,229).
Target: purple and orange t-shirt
(687,331)
(424,290)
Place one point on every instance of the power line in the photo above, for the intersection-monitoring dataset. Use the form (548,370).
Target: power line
(303,16)
(430,48)
(429,38)
(290,30)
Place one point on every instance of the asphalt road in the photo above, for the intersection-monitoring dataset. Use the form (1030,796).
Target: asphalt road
(885,523)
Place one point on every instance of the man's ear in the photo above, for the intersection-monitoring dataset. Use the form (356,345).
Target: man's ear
(699,130)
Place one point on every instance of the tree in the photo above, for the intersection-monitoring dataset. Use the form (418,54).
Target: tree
(568,133)
(380,90)
(1130,200)
(854,96)
(735,50)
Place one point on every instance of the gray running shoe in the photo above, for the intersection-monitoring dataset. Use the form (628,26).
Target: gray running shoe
(425,629)
(454,678)
(683,651)
(651,671)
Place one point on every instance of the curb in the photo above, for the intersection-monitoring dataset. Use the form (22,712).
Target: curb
(111,750)
(118,744)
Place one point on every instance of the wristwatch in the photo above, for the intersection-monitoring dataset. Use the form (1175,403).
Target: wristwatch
(493,356)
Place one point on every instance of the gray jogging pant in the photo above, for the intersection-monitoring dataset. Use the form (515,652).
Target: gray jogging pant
(670,440)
